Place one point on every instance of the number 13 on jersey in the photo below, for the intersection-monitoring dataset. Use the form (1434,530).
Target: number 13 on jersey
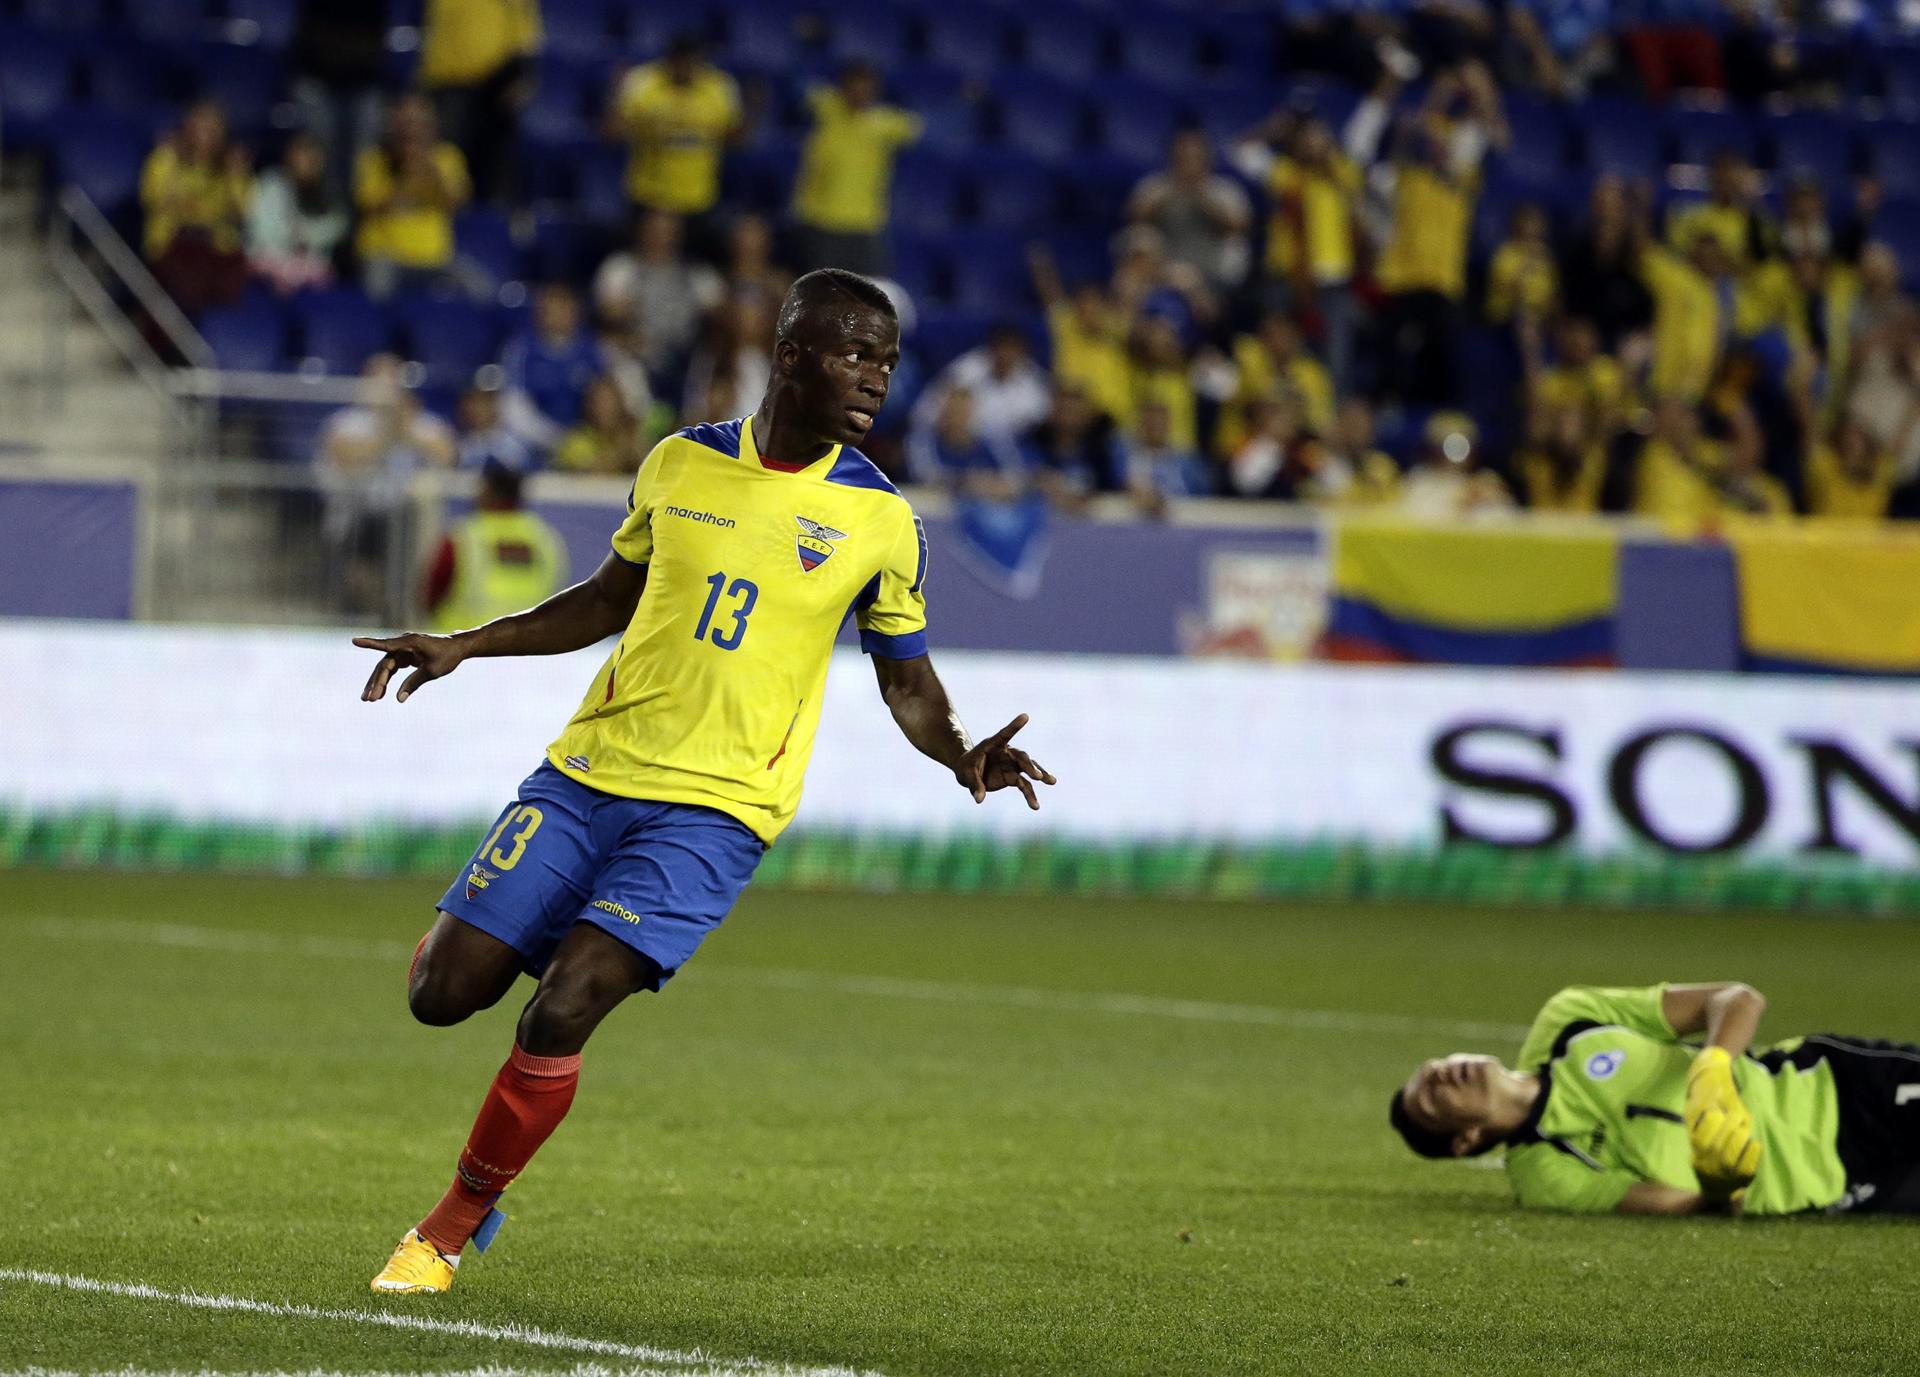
(744,595)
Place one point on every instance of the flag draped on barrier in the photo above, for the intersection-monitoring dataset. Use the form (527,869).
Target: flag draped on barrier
(1473,595)
(1833,598)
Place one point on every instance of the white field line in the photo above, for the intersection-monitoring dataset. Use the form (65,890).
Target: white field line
(816,982)
(676,1362)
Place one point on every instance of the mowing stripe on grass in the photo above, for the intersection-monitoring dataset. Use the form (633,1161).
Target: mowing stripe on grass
(680,1363)
(816,982)
(516,1370)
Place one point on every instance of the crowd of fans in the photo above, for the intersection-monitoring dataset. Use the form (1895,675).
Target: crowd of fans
(1284,313)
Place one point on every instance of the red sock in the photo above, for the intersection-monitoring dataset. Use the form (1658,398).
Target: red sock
(528,1099)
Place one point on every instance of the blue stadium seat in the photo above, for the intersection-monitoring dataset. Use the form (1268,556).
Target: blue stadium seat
(600,182)
(1538,150)
(1011,191)
(1696,135)
(926,191)
(868,33)
(1900,77)
(1622,137)
(130,76)
(1239,46)
(764,33)
(1040,117)
(1066,44)
(1227,112)
(919,265)
(953,123)
(100,152)
(567,98)
(761,178)
(655,24)
(1098,186)
(565,246)
(451,339)
(1898,225)
(1812,141)
(1080,257)
(249,337)
(1136,120)
(173,21)
(989,268)
(942,336)
(483,237)
(966,39)
(339,328)
(1161,46)
(36,81)
(577,28)
(1893,148)
(247,84)
(268,23)
(66,16)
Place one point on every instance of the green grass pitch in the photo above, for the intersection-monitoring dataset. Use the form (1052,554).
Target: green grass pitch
(917,1136)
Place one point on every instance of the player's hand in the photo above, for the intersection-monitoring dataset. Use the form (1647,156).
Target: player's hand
(1719,1124)
(994,764)
(429,657)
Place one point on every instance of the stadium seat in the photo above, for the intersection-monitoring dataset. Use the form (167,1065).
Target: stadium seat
(926,192)
(966,40)
(581,29)
(919,266)
(764,33)
(36,81)
(250,337)
(1893,148)
(1039,117)
(246,83)
(565,246)
(942,336)
(101,152)
(989,268)
(450,339)
(1621,137)
(267,23)
(1011,191)
(1238,46)
(1228,112)
(761,178)
(339,328)
(483,238)
(1161,46)
(1812,141)
(868,33)
(600,182)
(67,16)
(952,123)
(172,21)
(130,76)
(1697,135)
(1538,150)
(1900,78)
(1136,120)
(1066,44)
(1898,225)
(653,25)
(567,98)
(1098,187)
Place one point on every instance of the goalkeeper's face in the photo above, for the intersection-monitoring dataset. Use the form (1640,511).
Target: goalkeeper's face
(1456,1098)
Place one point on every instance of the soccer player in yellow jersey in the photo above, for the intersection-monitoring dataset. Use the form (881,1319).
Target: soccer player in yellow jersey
(745,547)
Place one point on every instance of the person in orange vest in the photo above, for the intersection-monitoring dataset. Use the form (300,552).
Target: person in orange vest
(501,559)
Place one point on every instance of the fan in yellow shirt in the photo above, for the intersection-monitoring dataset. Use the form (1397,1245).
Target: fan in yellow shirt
(196,184)
(841,198)
(1692,297)
(1522,282)
(1690,481)
(1850,475)
(1088,336)
(407,190)
(677,116)
(1274,358)
(476,58)
(1563,465)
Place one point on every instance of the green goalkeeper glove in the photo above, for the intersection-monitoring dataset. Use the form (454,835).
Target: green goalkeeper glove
(1719,1125)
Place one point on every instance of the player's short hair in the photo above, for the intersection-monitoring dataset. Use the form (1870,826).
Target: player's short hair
(1426,1141)
(827,286)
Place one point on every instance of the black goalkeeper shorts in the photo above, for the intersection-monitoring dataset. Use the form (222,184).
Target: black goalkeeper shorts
(1878,1084)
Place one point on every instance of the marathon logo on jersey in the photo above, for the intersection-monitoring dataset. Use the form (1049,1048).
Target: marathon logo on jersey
(580,762)
(704,518)
(814,542)
(478,879)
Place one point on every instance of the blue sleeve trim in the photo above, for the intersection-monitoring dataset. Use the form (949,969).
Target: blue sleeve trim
(724,437)
(920,572)
(855,470)
(910,646)
(636,563)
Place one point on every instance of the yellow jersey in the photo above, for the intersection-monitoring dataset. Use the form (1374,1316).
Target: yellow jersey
(712,696)
(1835,493)
(1314,215)
(1521,280)
(467,41)
(1687,325)
(1095,359)
(416,228)
(847,169)
(1432,214)
(176,195)
(677,133)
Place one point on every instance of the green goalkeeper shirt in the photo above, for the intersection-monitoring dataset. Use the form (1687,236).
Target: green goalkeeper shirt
(1614,1086)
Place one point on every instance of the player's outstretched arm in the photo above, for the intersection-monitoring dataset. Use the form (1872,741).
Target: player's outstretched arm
(1650,1197)
(919,704)
(571,619)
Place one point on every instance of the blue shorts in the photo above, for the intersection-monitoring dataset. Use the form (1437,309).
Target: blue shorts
(658,876)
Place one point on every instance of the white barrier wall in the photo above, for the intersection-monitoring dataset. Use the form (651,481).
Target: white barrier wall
(267,726)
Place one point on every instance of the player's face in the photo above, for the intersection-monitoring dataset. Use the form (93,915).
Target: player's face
(844,377)
(1452,1094)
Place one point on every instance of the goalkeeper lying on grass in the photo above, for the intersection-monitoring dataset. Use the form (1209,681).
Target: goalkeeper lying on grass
(1610,1109)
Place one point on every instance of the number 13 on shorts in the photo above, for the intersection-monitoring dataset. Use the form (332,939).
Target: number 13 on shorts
(504,848)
